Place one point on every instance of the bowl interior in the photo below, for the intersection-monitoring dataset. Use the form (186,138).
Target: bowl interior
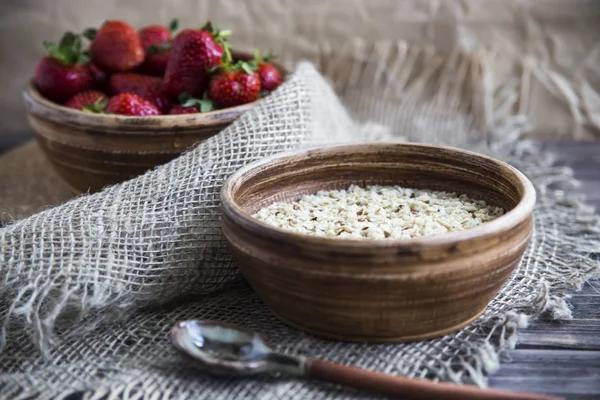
(287,178)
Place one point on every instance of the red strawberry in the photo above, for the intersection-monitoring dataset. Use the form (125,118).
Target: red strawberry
(192,54)
(131,104)
(270,77)
(90,100)
(234,85)
(148,87)
(184,110)
(117,47)
(63,73)
(154,35)
(156,41)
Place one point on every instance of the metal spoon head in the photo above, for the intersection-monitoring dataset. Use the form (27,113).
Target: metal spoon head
(224,349)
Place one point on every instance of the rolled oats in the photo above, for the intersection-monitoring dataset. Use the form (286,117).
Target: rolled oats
(379,212)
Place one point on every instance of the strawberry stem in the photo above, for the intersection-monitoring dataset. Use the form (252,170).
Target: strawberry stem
(257,59)
(227,53)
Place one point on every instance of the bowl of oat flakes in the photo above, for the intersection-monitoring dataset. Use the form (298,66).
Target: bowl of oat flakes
(377,242)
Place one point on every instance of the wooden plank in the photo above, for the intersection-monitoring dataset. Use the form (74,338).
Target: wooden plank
(579,388)
(563,358)
(546,339)
(543,357)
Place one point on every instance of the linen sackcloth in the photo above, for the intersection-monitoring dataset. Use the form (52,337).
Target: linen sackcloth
(89,290)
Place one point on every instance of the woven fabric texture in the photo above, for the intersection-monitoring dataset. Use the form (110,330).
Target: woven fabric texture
(89,290)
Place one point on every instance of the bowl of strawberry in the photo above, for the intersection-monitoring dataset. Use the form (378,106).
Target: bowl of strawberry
(111,103)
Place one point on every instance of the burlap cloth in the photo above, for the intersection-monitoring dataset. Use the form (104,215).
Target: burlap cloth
(90,289)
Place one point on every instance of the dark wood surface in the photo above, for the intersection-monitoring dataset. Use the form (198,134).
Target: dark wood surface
(554,358)
(563,358)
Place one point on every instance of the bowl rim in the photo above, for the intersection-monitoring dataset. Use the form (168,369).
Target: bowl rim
(510,219)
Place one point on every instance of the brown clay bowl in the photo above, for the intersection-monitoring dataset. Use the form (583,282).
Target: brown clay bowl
(91,151)
(377,290)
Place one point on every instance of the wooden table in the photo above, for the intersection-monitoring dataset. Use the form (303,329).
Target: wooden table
(555,358)
(563,358)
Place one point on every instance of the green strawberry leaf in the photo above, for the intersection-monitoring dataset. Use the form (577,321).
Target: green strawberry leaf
(159,48)
(257,59)
(82,58)
(212,70)
(57,53)
(183,97)
(97,107)
(69,41)
(208,27)
(90,33)
(174,25)
(217,33)
(247,67)
(190,103)
(51,47)
(263,93)
(252,64)
(68,50)
(205,104)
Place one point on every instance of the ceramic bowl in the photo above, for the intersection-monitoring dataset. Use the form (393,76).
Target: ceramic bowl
(91,151)
(377,290)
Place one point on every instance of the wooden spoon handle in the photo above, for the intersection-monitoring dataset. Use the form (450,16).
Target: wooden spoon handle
(398,386)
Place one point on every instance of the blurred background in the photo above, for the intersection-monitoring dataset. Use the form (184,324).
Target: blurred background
(547,52)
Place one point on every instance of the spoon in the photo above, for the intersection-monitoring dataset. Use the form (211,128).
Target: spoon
(228,350)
